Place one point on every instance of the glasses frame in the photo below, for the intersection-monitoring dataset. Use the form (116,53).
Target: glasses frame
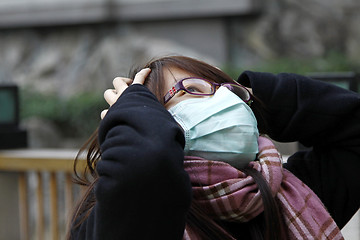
(180,87)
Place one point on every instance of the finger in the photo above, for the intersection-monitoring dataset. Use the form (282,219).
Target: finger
(110,96)
(141,76)
(127,80)
(250,90)
(103,113)
(120,82)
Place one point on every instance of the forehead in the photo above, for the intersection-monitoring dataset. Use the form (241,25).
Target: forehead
(173,75)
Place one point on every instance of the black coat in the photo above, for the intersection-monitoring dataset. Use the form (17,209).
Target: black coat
(325,118)
(144,193)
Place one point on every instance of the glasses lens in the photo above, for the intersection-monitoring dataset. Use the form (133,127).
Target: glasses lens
(198,86)
(238,90)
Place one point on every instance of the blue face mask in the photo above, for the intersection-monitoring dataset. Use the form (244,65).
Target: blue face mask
(221,127)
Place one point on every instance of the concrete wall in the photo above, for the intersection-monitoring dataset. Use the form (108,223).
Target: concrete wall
(70,46)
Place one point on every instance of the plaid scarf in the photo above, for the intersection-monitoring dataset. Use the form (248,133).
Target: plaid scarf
(228,194)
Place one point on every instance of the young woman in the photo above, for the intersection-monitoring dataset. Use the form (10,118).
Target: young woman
(178,156)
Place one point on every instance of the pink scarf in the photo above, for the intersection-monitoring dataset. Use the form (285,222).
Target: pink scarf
(230,195)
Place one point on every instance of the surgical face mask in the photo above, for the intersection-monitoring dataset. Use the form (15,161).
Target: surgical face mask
(221,127)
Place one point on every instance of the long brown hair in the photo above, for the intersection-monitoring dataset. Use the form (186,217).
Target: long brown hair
(269,226)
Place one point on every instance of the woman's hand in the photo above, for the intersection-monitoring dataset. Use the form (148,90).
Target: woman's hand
(250,90)
(120,84)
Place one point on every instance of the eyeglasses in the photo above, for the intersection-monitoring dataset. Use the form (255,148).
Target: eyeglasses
(203,87)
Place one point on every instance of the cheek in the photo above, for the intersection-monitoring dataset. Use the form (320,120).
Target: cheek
(172,103)
(179,98)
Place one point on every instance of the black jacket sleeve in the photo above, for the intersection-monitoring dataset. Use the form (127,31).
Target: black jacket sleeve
(143,191)
(325,118)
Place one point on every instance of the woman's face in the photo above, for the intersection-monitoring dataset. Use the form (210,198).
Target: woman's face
(171,77)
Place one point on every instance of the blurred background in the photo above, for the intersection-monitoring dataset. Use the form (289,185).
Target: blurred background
(63,54)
